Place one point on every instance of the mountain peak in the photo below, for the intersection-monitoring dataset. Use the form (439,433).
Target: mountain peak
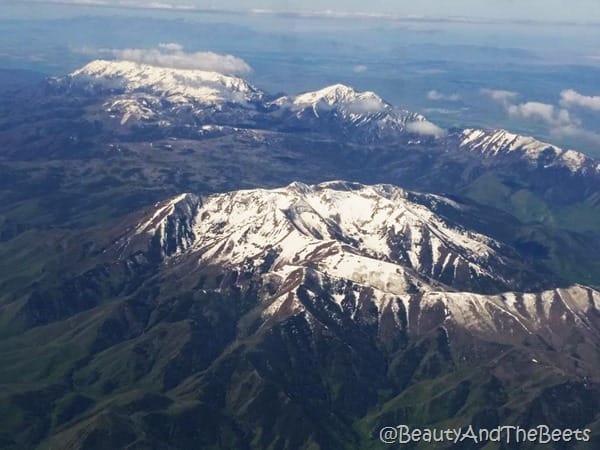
(176,85)
(494,142)
(334,225)
(363,116)
(144,94)
(342,95)
(121,68)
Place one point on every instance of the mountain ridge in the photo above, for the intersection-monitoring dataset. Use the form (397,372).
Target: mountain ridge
(305,223)
(361,116)
(193,313)
(259,312)
(174,84)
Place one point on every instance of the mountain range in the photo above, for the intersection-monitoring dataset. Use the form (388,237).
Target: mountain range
(190,262)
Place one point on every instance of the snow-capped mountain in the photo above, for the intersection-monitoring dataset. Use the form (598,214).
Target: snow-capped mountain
(362,115)
(139,94)
(172,85)
(289,311)
(172,225)
(501,143)
(368,253)
(368,234)
(508,318)
(136,93)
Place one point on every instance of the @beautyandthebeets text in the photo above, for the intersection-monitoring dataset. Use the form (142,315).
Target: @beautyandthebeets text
(541,434)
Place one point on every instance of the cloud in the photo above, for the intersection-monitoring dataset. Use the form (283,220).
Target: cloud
(426,128)
(438,96)
(442,111)
(574,131)
(173,56)
(499,95)
(179,59)
(366,105)
(571,98)
(562,123)
(534,110)
(171,46)
(360,69)
(543,112)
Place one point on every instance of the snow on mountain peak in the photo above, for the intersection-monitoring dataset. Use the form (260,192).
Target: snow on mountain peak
(175,85)
(365,115)
(342,95)
(144,93)
(356,245)
(501,141)
(344,228)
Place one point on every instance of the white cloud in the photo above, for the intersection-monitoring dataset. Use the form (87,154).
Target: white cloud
(561,122)
(171,46)
(441,111)
(360,68)
(172,55)
(499,95)
(533,110)
(557,118)
(178,59)
(571,98)
(435,95)
(426,128)
(366,105)
(576,132)
(438,96)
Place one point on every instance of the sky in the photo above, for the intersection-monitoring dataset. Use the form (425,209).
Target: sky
(536,10)
(539,80)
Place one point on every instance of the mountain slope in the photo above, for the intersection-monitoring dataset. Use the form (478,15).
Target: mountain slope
(173,85)
(339,225)
(288,317)
(361,116)
(306,316)
(501,142)
(118,149)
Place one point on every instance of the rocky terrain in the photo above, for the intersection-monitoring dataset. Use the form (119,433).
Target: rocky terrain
(189,262)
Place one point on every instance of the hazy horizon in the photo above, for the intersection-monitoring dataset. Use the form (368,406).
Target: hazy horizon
(587,11)
(441,68)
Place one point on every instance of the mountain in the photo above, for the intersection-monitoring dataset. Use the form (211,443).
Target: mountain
(214,321)
(161,138)
(362,116)
(172,85)
(493,144)
(374,236)
(339,226)
(174,98)
(179,272)
(140,94)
